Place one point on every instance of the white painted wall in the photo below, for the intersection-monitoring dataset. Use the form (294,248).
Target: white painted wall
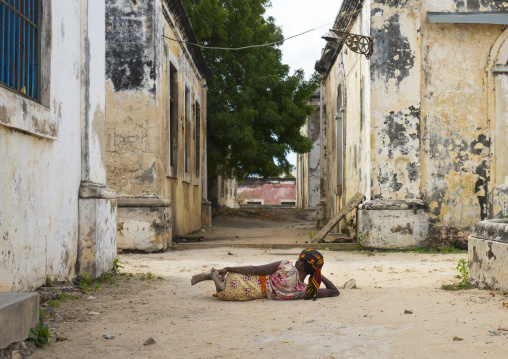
(40,177)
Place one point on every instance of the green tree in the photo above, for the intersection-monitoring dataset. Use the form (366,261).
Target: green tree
(255,107)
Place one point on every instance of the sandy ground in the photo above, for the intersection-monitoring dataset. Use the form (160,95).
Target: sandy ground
(368,322)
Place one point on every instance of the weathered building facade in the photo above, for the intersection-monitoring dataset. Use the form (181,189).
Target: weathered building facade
(419,128)
(57,215)
(267,192)
(156,122)
(224,192)
(308,165)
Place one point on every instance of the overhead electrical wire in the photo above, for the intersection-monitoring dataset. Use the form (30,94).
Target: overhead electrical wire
(275,42)
(245,47)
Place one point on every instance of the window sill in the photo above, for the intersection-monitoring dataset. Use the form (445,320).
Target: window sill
(187,177)
(196,181)
(172,172)
(26,115)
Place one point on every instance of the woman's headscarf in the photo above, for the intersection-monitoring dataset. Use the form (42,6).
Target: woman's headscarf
(313,261)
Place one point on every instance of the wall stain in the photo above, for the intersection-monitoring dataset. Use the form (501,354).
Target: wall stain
(393,56)
(407,229)
(4,118)
(129,42)
(148,175)
(481,187)
(490,254)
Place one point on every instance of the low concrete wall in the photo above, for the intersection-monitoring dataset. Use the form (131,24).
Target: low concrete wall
(144,224)
(97,229)
(393,224)
(18,313)
(488,254)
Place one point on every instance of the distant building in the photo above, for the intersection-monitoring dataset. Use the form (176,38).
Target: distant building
(156,122)
(308,165)
(267,192)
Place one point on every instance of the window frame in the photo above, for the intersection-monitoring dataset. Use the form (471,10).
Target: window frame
(37,118)
(197,139)
(187,132)
(173,75)
(35,56)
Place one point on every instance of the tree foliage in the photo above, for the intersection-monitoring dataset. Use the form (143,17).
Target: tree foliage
(255,106)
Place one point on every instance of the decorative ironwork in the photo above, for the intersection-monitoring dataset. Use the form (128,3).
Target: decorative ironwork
(360,44)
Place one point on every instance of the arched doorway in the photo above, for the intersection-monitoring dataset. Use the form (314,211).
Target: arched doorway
(498,118)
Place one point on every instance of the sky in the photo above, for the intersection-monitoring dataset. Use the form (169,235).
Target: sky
(297,16)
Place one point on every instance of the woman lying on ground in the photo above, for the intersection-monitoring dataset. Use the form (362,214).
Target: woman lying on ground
(278,280)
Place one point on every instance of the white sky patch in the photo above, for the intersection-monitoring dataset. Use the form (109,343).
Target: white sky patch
(294,17)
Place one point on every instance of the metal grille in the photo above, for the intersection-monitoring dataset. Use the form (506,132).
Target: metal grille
(19,45)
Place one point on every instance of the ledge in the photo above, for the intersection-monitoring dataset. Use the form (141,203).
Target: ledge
(143,202)
(495,230)
(478,17)
(26,115)
(96,190)
(19,312)
(393,205)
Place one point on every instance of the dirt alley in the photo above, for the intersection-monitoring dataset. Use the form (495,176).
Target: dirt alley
(368,322)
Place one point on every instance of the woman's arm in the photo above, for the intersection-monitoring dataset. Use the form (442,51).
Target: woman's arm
(330,291)
(265,269)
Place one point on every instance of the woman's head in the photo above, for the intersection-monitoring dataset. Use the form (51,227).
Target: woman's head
(312,263)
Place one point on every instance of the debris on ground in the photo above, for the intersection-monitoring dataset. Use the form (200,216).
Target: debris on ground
(109,336)
(350,284)
(270,214)
(408,311)
(149,341)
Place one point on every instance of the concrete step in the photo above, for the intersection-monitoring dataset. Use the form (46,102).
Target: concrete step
(320,246)
(18,313)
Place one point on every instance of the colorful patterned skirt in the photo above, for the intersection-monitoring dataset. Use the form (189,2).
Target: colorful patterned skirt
(243,287)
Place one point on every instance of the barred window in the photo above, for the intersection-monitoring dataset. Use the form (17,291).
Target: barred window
(20,46)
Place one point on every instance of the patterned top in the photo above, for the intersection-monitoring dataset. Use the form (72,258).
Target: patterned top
(285,283)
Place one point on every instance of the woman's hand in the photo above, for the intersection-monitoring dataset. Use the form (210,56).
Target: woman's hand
(223,271)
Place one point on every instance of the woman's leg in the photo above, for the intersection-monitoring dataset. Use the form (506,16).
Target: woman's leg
(200,277)
(220,284)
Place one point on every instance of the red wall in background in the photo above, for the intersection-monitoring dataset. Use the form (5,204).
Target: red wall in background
(272,191)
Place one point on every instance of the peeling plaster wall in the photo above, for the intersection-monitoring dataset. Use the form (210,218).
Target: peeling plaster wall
(395,100)
(130,97)
(456,143)
(137,109)
(40,177)
(350,72)
(436,116)
(144,229)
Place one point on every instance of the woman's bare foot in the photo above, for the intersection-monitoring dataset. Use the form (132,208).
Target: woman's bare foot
(200,277)
(220,285)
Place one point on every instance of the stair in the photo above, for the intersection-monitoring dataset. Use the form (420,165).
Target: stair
(18,313)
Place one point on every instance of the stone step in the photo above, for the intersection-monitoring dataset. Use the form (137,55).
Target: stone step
(18,313)
(320,246)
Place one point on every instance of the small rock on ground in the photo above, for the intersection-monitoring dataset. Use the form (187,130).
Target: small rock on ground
(149,341)
(350,284)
